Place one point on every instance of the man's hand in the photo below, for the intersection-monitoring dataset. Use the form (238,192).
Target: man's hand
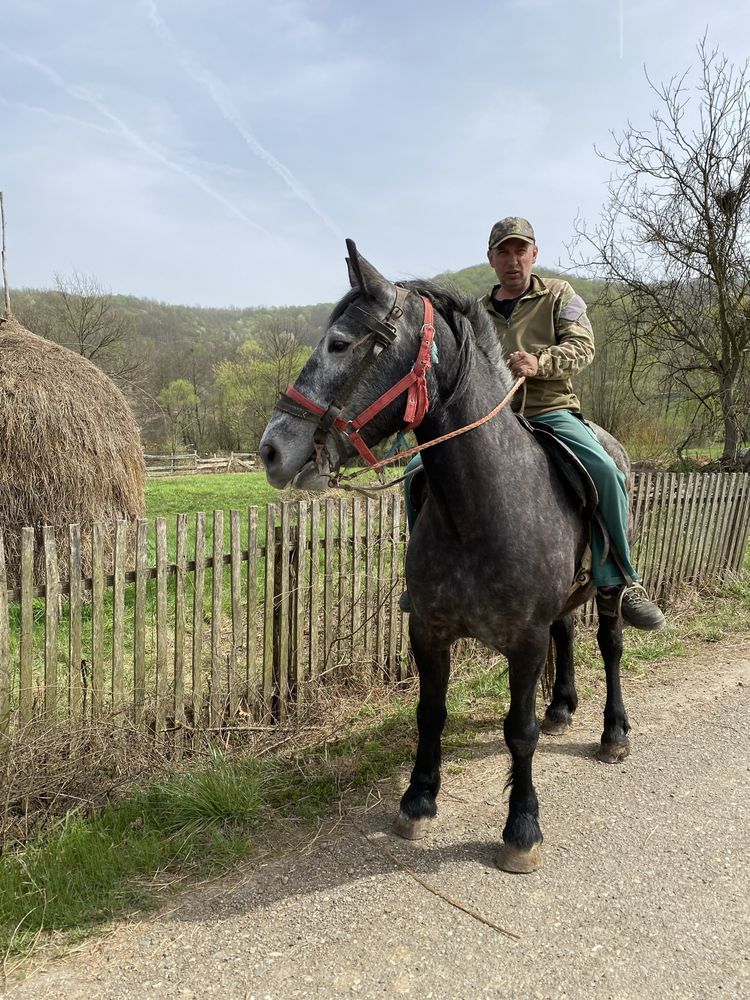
(521,363)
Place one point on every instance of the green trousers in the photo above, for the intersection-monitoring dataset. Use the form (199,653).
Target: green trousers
(610,485)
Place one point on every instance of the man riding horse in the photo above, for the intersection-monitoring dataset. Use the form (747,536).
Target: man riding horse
(546,336)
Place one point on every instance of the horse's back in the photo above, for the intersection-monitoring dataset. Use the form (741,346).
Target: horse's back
(613,448)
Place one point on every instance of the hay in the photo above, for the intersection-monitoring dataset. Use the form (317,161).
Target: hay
(70,451)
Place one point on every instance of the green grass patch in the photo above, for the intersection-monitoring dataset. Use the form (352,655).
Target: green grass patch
(192,494)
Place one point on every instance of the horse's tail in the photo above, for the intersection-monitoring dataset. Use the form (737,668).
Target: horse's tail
(548,673)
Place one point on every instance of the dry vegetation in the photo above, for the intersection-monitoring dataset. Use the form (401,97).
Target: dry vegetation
(70,451)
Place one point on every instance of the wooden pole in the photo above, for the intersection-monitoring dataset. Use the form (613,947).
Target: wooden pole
(8,313)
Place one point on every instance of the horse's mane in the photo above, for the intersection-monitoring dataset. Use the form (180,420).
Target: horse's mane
(468,320)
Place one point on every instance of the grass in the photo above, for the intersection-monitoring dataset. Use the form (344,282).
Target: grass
(174,495)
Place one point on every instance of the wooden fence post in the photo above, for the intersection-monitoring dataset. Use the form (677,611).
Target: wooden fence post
(216,700)
(52,599)
(199,604)
(118,617)
(300,602)
(5,669)
(179,631)
(268,621)
(139,624)
(251,642)
(161,628)
(283,620)
(97,620)
(235,557)
(26,692)
(75,661)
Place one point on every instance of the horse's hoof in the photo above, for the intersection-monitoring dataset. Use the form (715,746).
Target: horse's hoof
(613,753)
(519,861)
(410,828)
(555,727)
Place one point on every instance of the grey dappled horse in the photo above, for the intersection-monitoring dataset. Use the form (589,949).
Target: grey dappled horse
(496,545)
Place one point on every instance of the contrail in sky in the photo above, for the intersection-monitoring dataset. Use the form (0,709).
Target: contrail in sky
(223,101)
(81,94)
(622,29)
(58,116)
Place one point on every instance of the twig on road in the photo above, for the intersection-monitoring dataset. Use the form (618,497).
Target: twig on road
(433,889)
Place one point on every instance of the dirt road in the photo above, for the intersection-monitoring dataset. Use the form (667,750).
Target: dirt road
(645,891)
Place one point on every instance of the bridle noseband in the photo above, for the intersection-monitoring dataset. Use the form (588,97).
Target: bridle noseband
(380,335)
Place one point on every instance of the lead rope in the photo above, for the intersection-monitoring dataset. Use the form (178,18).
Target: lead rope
(340,482)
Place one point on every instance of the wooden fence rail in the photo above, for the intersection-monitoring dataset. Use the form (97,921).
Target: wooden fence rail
(190,463)
(236,620)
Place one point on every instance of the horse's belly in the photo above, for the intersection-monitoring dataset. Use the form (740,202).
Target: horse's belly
(490,597)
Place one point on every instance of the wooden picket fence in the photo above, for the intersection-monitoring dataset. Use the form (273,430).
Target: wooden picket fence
(689,528)
(237,622)
(240,630)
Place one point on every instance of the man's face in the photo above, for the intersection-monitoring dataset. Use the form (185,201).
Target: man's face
(512,262)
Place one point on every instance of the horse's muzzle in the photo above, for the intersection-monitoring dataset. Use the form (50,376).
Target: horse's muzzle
(288,460)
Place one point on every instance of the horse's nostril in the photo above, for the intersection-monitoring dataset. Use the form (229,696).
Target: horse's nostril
(267,455)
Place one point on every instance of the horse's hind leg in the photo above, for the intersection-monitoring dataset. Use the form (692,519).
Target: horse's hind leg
(559,714)
(522,836)
(615,745)
(433,659)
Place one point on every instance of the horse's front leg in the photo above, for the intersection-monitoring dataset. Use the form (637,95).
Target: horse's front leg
(615,745)
(522,836)
(433,658)
(559,714)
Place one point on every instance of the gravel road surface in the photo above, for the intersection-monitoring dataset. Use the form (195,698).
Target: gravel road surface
(645,891)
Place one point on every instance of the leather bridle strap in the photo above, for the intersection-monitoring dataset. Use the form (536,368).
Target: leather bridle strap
(381,334)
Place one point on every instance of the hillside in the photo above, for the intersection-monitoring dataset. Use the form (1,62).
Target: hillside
(195,376)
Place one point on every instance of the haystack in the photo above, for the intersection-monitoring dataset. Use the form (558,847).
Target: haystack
(70,452)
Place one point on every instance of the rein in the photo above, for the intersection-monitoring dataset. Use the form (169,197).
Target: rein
(336,480)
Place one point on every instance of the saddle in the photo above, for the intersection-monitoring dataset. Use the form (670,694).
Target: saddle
(581,489)
(572,472)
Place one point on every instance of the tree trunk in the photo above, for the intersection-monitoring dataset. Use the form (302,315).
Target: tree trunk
(729,419)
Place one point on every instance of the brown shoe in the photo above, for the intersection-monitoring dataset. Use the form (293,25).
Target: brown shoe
(632,604)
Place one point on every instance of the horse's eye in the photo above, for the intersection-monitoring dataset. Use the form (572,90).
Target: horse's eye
(338,345)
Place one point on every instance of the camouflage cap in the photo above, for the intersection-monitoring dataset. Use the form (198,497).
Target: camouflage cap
(512,227)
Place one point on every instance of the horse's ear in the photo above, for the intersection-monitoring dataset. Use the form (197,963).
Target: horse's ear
(363,277)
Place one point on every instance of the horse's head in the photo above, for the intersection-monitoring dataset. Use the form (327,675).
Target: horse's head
(371,342)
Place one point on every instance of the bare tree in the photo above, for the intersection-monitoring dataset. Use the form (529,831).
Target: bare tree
(673,239)
(89,322)
(281,347)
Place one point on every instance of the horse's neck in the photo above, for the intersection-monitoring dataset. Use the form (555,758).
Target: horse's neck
(481,469)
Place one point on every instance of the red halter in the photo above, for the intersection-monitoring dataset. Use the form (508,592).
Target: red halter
(414,383)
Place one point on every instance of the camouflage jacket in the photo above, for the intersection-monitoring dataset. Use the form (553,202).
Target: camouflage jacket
(549,320)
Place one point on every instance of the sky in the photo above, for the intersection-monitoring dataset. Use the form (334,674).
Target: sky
(218,153)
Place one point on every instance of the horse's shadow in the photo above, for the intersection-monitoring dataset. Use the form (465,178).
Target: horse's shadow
(365,846)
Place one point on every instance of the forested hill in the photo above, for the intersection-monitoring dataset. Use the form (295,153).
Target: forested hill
(195,376)
(161,326)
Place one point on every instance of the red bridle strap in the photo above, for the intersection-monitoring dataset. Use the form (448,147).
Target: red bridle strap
(414,383)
